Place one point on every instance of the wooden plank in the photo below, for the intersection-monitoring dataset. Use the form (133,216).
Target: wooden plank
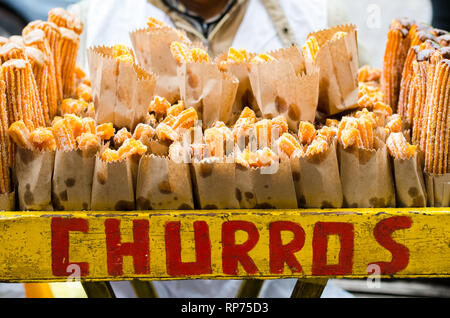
(144,289)
(402,288)
(98,290)
(240,244)
(309,288)
(250,288)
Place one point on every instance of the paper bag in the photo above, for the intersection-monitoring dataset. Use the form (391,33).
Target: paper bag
(409,183)
(214,184)
(274,187)
(245,193)
(8,201)
(211,92)
(113,186)
(317,180)
(72,180)
(282,87)
(152,49)
(34,171)
(438,190)
(244,94)
(366,177)
(121,91)
(338,62)
(163,184)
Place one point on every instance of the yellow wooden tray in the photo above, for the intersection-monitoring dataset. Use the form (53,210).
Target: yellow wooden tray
(228,244)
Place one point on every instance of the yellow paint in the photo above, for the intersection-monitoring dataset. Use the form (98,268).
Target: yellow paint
(25,252)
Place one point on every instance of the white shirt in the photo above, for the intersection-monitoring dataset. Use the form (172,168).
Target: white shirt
(108,22)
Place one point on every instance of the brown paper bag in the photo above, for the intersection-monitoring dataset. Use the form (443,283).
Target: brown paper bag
(214,184)
(338,62)
(163,185)
(122,91)
(244,94)
(245,193)
(152,48)
(33,171)
(8,201)
(317,180)
(72,180)
(282,88)
(409,183)
(366,177)
(438,190)
(113,186)
(274,187)
(211,92)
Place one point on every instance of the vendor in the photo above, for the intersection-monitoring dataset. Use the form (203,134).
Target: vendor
(255,25)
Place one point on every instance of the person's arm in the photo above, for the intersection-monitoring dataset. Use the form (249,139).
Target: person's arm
(338,14)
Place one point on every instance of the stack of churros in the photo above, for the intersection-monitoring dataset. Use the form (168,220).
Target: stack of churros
(23,102)
(36,39)
(5,182)
(438,129)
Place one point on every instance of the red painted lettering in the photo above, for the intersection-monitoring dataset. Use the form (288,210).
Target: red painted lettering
(202,265)
(400,253)
(139,249)
(279,253)
(320,245)
(60,244)
(233,253)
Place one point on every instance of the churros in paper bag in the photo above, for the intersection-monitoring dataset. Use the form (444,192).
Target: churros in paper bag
(283,86)
(33,172)
(122,91)
(113,185)
(335,52)
(214,183)
(274,187)
(239,67)
(366,177)
(409,182)
(72,180)
(163,184)
(152,48)
(317,180)
(208,90)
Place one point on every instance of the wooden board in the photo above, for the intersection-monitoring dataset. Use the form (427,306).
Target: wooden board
(162,245)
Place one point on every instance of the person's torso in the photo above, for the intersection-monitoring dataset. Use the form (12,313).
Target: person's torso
(109,22)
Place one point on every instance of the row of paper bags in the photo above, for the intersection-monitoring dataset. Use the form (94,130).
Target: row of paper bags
(353,178)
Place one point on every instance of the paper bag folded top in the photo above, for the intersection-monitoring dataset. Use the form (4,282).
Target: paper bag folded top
(338,62)
(122,91)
